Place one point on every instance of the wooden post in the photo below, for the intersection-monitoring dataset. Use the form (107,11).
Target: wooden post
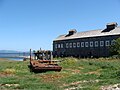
(51,55)
(30,55)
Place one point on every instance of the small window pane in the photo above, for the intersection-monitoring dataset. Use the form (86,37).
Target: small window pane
(101,43)
(67,45)
(58,45)
(107,43)
(78,44)
(112,42)
(55,45)
(82,44)
(91,44)
(70,45)
(61,45)
(74,45)
(96,43)
(86,44)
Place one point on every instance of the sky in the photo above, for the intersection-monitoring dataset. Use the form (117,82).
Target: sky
(34,24)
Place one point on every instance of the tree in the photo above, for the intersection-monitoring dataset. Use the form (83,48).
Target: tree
(115,47)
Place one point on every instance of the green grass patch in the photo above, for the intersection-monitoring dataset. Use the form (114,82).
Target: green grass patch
(78,74)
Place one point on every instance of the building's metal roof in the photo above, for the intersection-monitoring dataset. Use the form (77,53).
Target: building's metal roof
(92,33)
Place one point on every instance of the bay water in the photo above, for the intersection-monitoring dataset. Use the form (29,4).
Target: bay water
(14,56)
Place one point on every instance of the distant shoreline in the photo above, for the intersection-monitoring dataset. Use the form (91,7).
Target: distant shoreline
(4,59)
(10,59)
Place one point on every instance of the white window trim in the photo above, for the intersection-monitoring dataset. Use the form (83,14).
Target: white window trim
(82,44)
(86,44)
(107,43)
(113,42)
(78,44)
(67,45)
(61,45)
(96,43)
(74,45)
(70,45)
(91,43)
(101,43)
(58,45)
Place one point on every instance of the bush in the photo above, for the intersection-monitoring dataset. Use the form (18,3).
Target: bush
(69,62)
(115,48)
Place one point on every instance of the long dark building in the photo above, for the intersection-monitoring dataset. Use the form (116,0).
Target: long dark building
(94,43)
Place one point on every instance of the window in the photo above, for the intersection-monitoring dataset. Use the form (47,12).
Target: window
(86,44)
(74,45)
(112,42)
(96,43)
(56,46)
(107,43)
(91,44)
(78,44)
(101,43)
(67,45)
(82,44)
(61,45)
(70,45)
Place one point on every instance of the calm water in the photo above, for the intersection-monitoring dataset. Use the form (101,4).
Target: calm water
(16,59)
(13,56)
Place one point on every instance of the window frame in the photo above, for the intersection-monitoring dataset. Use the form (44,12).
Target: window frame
(70,45)
(67,45)
(59,46)
(112,42)
(56,46)
(74,45)
(96,44)
(82,44)
(62,45)
(107,43)
(101,43)
(86,44)
(78,44)
(91,42)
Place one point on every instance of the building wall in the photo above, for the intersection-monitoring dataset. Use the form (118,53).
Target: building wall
(84,47)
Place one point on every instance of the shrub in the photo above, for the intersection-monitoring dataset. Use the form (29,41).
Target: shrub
(115,48)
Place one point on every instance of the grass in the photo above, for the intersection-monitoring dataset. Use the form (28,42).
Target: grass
(77,74)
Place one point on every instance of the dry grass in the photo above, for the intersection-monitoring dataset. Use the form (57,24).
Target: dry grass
(53,77)
(76,74)
(9,71)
